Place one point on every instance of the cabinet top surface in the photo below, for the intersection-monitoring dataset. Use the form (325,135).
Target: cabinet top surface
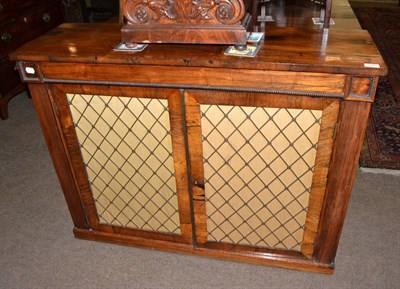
(284,49)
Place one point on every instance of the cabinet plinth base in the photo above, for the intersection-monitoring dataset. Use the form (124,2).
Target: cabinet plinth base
(258,259)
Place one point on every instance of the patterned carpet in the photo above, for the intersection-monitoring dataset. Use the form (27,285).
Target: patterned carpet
(381,148)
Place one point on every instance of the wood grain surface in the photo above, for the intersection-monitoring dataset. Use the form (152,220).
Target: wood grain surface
(284,49)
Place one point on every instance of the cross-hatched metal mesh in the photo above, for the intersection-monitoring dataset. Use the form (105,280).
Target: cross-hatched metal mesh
(258,168)
(127,150)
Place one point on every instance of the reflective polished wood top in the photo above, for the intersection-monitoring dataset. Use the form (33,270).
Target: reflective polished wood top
(299,13)
(288,48)
(291,43)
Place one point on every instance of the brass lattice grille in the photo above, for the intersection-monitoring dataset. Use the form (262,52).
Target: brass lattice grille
(258,168)
(127,150)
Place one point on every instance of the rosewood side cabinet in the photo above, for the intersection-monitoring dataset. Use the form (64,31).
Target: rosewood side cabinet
(182,148)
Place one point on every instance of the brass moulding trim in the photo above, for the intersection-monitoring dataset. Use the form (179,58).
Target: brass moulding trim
(202,87)
(369,94)
(30,72)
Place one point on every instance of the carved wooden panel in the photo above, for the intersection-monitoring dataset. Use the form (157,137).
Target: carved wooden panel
(185,11)
(184,21)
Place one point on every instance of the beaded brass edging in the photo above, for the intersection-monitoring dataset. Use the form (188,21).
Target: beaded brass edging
(203,87)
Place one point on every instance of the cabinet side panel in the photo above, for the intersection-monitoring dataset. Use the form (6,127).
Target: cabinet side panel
(353,118)
(44,110)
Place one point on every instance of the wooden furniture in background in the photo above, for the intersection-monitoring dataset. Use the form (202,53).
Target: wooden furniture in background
(97,10)
(189,150)
(74,10)
(20,22)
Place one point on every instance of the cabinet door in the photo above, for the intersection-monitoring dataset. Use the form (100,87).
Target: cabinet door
(126,150)
(259,167)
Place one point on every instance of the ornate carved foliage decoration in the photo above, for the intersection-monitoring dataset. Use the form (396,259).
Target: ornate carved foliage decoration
(192,11)
(200,8)
(224,10)
(144,11)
